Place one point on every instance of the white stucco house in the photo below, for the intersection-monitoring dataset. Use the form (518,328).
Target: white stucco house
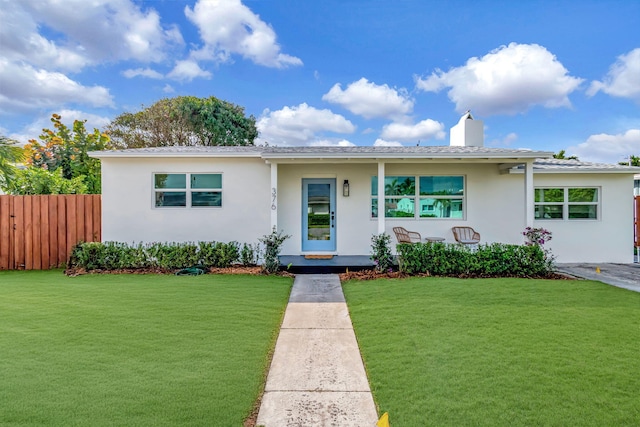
(331,200)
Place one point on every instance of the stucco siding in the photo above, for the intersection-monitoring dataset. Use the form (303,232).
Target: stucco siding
(129,214)
(354,228)
(494,205)
(607,239)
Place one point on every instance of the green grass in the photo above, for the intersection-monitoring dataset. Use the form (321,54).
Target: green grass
(499,352)
(135,350)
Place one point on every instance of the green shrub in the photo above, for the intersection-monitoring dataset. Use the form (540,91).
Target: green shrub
(34,180)
(218,254)
(381,252)
(272,244)
(172,256)
(249,254)
(168,256)
(490,260)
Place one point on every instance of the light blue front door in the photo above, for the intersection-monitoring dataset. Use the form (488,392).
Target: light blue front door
(318,214)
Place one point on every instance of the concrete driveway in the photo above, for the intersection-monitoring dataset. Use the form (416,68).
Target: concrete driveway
(625,276)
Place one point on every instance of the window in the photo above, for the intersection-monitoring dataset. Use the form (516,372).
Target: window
(203,190)
(444,196)
(436,196)
(566,203)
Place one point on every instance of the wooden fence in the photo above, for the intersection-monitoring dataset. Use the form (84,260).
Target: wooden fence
(38,232)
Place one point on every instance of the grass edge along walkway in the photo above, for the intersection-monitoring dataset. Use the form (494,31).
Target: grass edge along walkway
(135,349)
(499,352)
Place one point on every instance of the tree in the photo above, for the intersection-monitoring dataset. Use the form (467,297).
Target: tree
(633,161)
(36,180)
(67,149)
(10,154)
(561,155)
(184,120)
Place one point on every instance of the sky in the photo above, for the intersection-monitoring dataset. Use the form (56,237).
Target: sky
(542,75)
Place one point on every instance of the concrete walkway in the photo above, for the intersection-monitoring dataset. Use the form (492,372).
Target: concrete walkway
(317,377)
(625,276)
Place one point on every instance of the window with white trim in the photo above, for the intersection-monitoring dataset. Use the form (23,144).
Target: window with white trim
(433,196)
(187,190)
(567,203)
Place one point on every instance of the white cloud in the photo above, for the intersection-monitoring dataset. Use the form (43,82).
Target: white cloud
(22,42)
(426,129)
(168,89)
(605,148)
(142,72)
(623,78)
(98,30)
(383,143)
(43,41)
(299,125)
(34,129)
(27,88)
(507,80)
(370,100)
(228,27)
(188,70)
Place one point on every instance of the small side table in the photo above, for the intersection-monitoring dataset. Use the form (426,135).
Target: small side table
(434,239)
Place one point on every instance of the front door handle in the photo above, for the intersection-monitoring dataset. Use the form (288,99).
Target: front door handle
(333,218)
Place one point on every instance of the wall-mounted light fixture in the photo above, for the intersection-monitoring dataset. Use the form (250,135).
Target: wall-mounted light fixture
(345,188)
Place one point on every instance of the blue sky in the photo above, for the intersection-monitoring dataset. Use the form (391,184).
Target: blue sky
(545,75)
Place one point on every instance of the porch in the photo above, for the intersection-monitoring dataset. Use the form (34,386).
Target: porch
(299,264)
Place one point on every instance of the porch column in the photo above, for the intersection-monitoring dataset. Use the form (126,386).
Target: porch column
(274,196)
(381,218)
(528,194)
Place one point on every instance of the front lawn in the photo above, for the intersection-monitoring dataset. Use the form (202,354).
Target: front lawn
(143,350)
(499,352)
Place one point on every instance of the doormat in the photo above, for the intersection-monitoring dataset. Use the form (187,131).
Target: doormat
(318,256)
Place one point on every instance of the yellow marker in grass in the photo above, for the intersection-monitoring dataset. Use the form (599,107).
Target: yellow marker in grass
(383,421)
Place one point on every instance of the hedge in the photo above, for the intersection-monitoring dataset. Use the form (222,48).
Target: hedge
(488,260)
(169,256)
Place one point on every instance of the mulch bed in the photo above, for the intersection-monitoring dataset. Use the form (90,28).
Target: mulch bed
(254,271)
(259,271)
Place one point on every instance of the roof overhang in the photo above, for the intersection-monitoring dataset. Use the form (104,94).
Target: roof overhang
(564,166)
(508,161)
(401,155)
(360,154)
(172,154)
(588,170)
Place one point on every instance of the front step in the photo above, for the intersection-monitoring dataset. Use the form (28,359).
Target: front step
(299,264)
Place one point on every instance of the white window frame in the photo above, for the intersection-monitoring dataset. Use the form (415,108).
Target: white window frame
(416,197)
(188,190)
(566,203)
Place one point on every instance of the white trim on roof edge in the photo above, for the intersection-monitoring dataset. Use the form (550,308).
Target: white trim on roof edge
(331,153)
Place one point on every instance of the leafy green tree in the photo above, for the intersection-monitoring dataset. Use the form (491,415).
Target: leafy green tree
(561,155)
(67,149)
(633,161)
(10,153)
(184,120)
(35,180)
